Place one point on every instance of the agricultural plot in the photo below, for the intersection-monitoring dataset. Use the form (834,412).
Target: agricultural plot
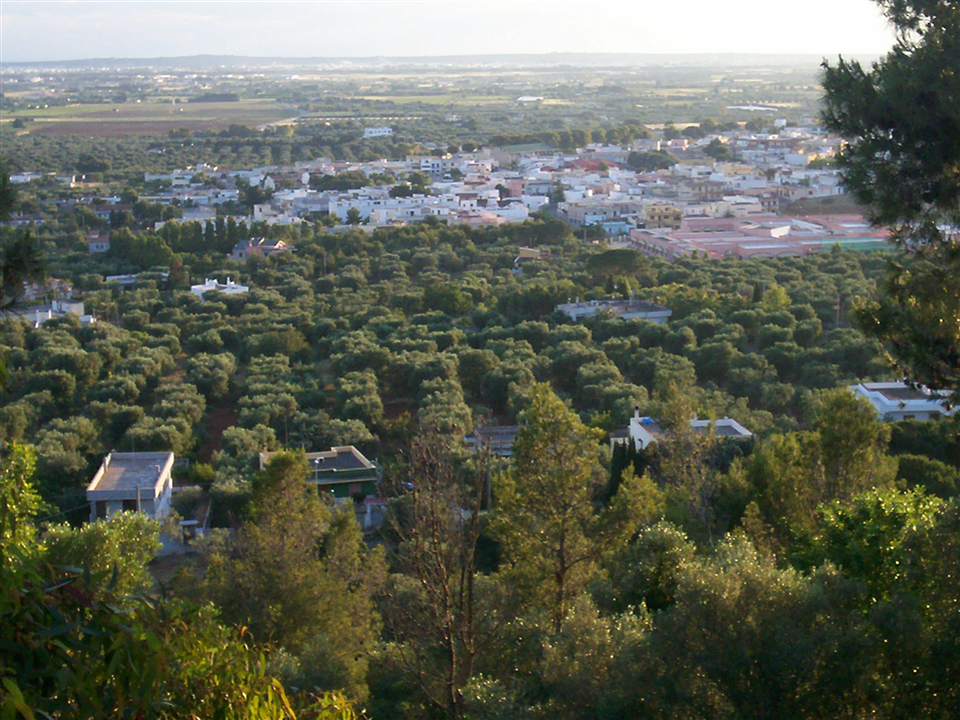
(149,118)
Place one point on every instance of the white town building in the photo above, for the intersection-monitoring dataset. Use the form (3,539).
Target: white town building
(138,482)
(228,288)
(898,401)
(646,430)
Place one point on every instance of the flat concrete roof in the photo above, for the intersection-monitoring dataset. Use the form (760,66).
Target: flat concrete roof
(725,431)
(722,427)
(339,458)
(903,392)
(497,433)
(128,470)
(342,457)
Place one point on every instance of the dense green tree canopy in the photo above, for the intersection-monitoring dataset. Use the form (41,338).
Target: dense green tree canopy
(902,120)
(369,338)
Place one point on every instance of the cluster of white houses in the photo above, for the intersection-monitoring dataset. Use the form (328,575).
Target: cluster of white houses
(143,482)
(670,212)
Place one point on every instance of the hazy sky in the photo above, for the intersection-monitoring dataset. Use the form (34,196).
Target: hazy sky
(76,29)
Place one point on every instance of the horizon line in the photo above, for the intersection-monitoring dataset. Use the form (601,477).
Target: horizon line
(294,59)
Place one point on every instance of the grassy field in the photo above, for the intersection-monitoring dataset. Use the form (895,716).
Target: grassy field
(486,99)
(445,99)
(148,118)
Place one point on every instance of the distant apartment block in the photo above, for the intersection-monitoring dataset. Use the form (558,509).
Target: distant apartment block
(661,215)
(598,210)
(372,132)
(498,439)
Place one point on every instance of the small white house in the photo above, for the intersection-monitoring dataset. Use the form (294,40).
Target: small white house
(377,132)
(895,401)
(228,288)
(98,243)
(628,309)
(57,309)
(138,482)
(646,430)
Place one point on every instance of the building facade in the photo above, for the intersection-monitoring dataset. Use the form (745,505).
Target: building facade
(137,482)
(895,401)
(342,472)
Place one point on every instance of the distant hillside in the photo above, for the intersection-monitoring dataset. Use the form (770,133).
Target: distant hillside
(208,62)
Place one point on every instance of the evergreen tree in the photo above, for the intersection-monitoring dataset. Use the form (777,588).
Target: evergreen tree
(902,122)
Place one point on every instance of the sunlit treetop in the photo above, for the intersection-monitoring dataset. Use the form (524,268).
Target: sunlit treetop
(902,122)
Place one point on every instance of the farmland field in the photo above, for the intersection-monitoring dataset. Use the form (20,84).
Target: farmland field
(149,118)
(140,118)
(444,99)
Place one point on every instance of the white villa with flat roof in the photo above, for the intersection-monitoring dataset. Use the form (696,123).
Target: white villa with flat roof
(646,430)
(895,401)
(228,288)
(138,482)
(628,309)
